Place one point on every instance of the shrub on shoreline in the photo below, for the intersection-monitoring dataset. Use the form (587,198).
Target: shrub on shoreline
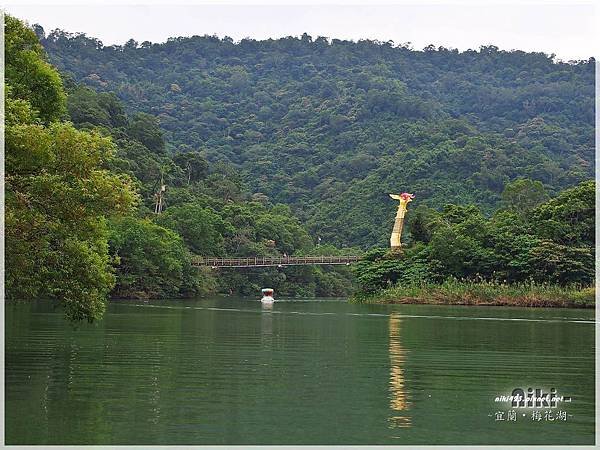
(485,293)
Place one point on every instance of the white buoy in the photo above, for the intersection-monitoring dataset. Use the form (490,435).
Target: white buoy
(267,295)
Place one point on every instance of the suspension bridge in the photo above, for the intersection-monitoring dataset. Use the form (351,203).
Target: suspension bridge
(284,261)
(273,261)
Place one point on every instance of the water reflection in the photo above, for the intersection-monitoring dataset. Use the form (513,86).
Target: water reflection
(266,324)
(398,399)
(155,382)
(267,306)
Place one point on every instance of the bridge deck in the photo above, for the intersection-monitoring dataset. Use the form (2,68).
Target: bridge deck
(270,261)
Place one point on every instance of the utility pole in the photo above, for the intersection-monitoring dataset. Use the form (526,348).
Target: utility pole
(189,169)
(158,207)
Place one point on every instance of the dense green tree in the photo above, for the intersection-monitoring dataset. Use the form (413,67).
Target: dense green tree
(379,268)
(193,164)
(86,107)
(523,195)
(561,264)
(29,75)
(145,129)
(202,229)
(58,192)
(152,261)
(569,218)
(56,199)
(420,222)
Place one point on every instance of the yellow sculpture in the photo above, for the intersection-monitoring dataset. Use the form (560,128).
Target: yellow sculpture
(399,221)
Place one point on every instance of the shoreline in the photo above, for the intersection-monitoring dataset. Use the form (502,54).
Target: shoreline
(484,294)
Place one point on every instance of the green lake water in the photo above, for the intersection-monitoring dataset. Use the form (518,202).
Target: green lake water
(230,371)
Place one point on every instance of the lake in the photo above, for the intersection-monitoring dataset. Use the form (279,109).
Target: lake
(231,371)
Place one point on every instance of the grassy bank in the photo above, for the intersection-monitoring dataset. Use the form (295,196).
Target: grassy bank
(454,292)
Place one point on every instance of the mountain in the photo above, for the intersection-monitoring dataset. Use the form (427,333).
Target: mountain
(330,127)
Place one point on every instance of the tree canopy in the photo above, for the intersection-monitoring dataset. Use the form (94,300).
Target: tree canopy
(330,126)
(59,193)
(208,210)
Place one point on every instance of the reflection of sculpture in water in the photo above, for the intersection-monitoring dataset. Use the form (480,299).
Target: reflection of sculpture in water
(267,306)
(398,399)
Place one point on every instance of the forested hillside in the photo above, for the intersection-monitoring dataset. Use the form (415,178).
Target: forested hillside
(330,127)
(81,179)
(208,211)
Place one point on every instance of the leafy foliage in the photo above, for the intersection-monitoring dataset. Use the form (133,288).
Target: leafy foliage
(201,228)
(522,195)
(207,211)
(330,127)
(30,77)
(58,191)
(152,261)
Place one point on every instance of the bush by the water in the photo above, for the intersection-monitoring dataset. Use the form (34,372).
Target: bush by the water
(485,293)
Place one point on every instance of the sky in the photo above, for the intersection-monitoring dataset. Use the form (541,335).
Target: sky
(566,30)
